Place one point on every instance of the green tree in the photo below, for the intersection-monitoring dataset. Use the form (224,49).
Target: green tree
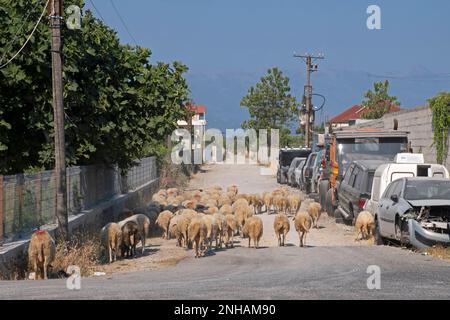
(270,104)
(119,107)
(440,107)
(378,102)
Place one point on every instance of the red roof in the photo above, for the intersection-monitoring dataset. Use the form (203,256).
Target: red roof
(355,113)
(197,108)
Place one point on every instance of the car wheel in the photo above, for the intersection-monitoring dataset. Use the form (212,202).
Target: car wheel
(399,232)
(379,239)
(323,188)
(329,203)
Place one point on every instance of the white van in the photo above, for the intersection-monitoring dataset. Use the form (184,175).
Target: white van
(404,165)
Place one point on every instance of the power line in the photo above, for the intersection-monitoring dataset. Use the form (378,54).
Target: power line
(123,22)
(18,31)
(28,38)
(96,10)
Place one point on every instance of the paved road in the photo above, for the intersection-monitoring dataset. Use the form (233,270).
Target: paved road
(321,271)
(268,273)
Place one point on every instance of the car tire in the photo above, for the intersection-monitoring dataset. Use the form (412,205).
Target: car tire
(323,188)
(329,203)
(379,239)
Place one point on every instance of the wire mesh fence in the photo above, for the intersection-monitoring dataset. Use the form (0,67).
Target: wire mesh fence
(29,200)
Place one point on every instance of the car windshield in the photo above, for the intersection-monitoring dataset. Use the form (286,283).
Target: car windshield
(286,157)
(351,149)
(427,189)
(295,163)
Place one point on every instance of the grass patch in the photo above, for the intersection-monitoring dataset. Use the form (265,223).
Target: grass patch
(440,252)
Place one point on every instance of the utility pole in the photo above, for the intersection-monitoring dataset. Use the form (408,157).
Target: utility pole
(308,108)
(55,16)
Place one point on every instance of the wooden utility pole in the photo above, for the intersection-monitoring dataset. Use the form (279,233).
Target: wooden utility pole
(56,12)
(310,67)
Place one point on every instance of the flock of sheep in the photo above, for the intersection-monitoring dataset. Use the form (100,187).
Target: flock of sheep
(199,219)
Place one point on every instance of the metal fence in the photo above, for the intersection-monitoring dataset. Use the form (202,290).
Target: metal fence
(29,200)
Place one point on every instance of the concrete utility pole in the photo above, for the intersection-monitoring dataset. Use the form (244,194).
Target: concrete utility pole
(55,15)
(310,67)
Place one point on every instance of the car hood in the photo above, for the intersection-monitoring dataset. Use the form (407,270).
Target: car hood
(429,202)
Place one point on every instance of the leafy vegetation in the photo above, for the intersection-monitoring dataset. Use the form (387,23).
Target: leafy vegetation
(271,105)
(378,102)
(119,107)
(440,107)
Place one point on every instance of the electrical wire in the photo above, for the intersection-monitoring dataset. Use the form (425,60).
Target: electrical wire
(323,103)
(123,22)
(98,11)
(18,31)
(28,38)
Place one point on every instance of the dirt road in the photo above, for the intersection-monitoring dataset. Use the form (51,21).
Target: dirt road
(249,180)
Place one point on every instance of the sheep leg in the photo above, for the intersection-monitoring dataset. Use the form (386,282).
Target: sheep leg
(143,244)
(249,241)
(35,267)
(110,252)
(45,267)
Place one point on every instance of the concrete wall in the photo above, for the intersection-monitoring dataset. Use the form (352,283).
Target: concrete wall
(418,122)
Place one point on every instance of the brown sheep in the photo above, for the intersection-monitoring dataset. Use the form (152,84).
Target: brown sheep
(242,196)
(163,221)
(233,190)
(226,209)
(314,210)
(231,228)
(212,231)
(302,225)
(222,227)
(130,236)
(211,210)
(162,193)
(281,226)
(253,229)
(239,202)
(242,213)
(189,204)
(257,203)
(174,230)
(294,203)
(111,239)
(267,199)
(143,223)
(364,225)
(197,234)
(280,203)
(223,200)
(172,192)
(41,252)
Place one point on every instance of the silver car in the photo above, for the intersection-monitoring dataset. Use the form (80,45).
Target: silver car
(415,211)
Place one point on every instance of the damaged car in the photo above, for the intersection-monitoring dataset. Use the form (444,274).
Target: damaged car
(415,211)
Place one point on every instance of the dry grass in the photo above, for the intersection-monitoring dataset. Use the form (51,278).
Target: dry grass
(84,251)
(439,252)
(174,176)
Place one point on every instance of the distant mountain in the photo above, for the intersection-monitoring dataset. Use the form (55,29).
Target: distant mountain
(222,92)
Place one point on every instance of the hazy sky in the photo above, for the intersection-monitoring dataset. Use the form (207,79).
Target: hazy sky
(249,35)
(229,44)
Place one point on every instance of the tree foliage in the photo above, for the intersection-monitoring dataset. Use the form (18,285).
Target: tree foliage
(119,107)
(271,105)
(378,102)
(440,107)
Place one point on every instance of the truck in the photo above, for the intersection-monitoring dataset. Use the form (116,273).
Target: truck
(345,145)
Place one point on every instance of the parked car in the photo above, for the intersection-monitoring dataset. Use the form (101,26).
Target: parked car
(404,165)
(415,211)
(298,173)
(285,157)
(317,171)
(308,171)
(290,174)
(355,189)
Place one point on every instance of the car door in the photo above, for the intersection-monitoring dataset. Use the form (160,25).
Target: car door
(343,188)
(356,189)
(383,207)
(392,208)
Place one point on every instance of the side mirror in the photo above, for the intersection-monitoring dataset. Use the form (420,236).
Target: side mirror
(394,198)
